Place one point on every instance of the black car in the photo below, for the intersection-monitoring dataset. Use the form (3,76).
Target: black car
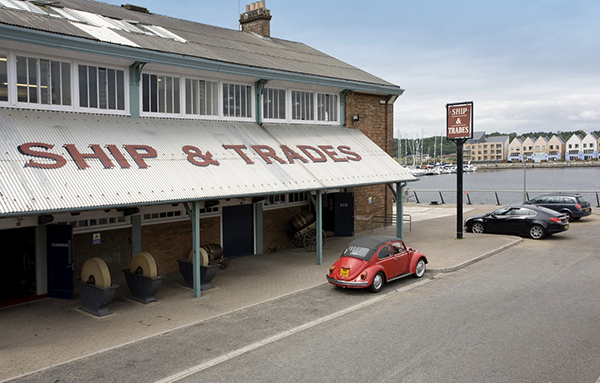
(574,206)
(533,221)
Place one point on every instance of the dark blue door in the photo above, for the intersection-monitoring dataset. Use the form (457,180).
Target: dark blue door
(343,214)
(238,231)
(60,261)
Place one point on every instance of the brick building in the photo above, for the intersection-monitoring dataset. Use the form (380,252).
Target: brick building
(127,131)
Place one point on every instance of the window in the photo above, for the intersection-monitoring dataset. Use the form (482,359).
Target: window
(274,103)
(160,94)
(237,100)
(327,107)
(303,105)
(101,88)
(201,97)
(41,81)
(3,78)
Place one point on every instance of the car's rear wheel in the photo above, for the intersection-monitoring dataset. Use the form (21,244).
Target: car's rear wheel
(477,228)
(568,214)
(420,269)
(378,282)
(536,232)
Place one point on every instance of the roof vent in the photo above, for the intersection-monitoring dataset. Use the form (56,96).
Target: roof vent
(135,8)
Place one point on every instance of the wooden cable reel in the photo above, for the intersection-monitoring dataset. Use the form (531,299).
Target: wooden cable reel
(143,264)
(95,272)
(203,257)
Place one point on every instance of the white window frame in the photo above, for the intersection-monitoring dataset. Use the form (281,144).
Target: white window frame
(13,86)
(216,104)
(175,95)
(97,109)
(233,99)
(269,104)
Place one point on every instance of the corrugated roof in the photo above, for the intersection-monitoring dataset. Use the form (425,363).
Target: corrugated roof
(26,186)
(203,41)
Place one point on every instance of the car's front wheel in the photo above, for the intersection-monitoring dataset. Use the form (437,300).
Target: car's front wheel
(420,269)
(477,228)
(536,232)
(378,282)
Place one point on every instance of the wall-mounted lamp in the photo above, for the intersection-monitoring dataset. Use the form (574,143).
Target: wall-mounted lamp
(355,117)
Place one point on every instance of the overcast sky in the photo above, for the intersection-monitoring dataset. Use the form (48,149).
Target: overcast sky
(527,65)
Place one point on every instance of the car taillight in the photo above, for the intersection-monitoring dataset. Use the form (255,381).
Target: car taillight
(363,275)
(331,269)
(553,219)
(578,206)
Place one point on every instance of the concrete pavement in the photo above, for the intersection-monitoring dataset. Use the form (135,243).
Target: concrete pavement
(42,334)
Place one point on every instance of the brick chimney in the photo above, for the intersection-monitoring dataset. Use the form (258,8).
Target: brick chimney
(256,19)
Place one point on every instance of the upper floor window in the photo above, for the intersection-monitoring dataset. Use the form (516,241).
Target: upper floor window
(3,78)
(303,105)
(274,103)
(327,107)
(201,97)
(160,94)
(237,100)
(42,81)
(101,88)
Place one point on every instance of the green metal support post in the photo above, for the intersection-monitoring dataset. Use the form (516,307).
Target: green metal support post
(319,227)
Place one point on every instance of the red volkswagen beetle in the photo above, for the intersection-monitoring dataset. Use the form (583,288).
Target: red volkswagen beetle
(374,260)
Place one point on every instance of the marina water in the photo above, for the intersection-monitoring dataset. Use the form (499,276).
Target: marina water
(506,186)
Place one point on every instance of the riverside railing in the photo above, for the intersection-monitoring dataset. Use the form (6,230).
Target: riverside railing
(499,197)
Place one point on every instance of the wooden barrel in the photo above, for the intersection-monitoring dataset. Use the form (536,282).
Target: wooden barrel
(302,219)
(214,251)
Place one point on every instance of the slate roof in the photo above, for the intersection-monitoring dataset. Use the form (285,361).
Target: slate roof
(220,45)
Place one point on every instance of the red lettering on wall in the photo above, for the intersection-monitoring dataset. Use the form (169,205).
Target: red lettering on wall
(80,157)
(265,152)
(306,149)
(27,149)
(328,149)
(139,152)
(346,150)
(116,153)
(239,150)
(193,153)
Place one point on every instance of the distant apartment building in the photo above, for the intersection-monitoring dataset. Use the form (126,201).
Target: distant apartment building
(485,149)
(573,149)
(589,146)
(556,148)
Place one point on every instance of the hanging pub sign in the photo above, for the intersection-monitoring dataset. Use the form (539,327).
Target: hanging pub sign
(459,121)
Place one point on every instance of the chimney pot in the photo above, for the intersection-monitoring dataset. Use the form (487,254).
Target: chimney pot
(247,7)
(262,4)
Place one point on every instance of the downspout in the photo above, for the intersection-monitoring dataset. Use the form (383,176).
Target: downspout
(135,75)
(259,88)
(343,96)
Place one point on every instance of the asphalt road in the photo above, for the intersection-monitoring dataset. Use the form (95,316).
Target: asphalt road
(528,314)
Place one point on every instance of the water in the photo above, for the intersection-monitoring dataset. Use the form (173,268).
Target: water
(508,185)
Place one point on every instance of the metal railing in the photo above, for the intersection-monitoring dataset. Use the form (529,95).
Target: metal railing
(390,220)
(490,196)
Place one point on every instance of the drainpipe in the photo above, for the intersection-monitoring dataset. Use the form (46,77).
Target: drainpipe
(135,75)
(259,88)
(343,95)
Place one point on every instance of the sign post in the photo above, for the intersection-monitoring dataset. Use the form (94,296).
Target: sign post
(459,128)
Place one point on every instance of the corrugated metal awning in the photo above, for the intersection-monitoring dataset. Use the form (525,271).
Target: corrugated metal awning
(55,161)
